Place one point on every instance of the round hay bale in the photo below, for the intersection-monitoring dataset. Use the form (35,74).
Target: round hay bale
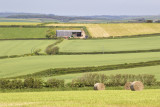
(99,86)
(127,86)
(137,86)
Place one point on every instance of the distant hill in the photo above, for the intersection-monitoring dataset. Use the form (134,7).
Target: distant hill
(90,19)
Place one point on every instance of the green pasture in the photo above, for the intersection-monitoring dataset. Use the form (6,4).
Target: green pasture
(152,70)
(107,98)
(20,47)
(27,65)
(19,32)
(110,45)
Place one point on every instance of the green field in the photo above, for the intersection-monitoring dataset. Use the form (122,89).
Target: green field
(110,45)
(18,32)
(20,47)
(108,98)
(21,32)
(26,65)
(152,70)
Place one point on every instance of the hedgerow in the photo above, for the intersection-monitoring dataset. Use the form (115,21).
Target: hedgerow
(113,80)
(61,71)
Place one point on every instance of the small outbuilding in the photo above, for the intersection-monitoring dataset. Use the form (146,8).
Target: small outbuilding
(69,33)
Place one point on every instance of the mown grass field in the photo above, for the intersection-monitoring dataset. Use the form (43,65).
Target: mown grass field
(20,32)
(122,29)
(27,65)
(17,32)
(152,70)
(20,47)
(107,98)
(110,45)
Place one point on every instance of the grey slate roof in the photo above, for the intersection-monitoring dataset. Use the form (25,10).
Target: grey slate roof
(62,33)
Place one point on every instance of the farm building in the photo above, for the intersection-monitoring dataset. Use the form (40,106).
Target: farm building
(70,33)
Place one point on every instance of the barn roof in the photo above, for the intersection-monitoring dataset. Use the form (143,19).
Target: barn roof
(69,31)
(63,33)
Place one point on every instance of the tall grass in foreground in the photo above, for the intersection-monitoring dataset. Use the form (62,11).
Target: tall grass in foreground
(108,98)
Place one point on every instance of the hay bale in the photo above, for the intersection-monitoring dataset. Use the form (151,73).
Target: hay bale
(127,86)
(137,86)
(99,86)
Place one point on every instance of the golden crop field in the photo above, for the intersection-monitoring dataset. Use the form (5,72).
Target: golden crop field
(18,23)
(122,29)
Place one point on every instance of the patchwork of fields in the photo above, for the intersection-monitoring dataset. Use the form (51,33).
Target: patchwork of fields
(108,98)
(27,65)
(13,67)
(110,45)
(20,47)
(122,29)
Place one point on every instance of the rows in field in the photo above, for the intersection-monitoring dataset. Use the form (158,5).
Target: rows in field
(110,45)
(27,65)
(130,29)
(20,47)
(122,29)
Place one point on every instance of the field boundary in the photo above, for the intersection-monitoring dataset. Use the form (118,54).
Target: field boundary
(112,52)
(78,53)
(128,36)
(62,71)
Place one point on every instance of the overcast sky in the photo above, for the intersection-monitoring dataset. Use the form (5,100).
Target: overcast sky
(83,7)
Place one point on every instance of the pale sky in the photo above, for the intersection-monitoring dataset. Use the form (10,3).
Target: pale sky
(83,7)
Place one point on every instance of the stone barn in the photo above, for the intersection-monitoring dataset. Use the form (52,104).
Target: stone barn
(70,33)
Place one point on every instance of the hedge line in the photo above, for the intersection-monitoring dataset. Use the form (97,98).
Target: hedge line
(87,80)
(52,49)
(24,55)
(15,56)
(27,39)
(60,71)
(30,83)
(90,79)
(112,52)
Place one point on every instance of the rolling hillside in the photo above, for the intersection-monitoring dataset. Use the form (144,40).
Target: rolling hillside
(27,65)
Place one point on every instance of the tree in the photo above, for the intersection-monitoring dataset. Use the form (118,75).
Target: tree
(50,34)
